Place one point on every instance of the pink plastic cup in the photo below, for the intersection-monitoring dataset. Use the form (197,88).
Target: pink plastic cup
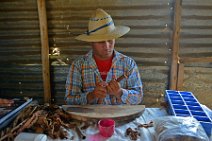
(106,127)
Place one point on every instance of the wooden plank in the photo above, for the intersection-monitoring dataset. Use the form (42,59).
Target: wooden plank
(180,76)
(195,60)
(175,45)
(44,50)
(93,112)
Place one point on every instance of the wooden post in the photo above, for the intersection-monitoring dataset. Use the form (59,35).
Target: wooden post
(175,44)
(44,50)
(180,76)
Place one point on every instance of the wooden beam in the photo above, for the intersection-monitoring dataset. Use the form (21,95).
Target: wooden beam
(180,76)
(44,50)
(175,44)
(195,60)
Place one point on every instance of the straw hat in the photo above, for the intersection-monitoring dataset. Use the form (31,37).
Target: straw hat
(102,28)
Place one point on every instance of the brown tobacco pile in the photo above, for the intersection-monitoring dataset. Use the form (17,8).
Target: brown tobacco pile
(133,134)
(48,119)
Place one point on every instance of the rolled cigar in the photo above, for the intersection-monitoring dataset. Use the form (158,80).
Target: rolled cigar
(121,77)
(100,101)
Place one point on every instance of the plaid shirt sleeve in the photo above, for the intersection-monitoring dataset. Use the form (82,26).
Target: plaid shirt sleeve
(133,92)
(74,95)
(83,75)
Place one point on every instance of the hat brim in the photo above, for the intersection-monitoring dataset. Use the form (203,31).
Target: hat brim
(117,32)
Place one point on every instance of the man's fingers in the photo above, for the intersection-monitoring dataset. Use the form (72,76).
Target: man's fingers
(109,89)
(100,92)
(114,85)
(102,84)
(114,77)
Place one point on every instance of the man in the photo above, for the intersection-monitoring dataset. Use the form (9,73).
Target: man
(95,77)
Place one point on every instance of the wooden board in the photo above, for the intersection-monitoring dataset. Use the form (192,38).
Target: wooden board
(96,112)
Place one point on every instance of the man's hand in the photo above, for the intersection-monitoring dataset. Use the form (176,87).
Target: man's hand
(99,92)
(114,88)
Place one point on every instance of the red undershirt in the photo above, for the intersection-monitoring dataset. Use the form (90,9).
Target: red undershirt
(103,66)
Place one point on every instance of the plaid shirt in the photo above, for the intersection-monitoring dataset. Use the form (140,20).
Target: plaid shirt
(84,75)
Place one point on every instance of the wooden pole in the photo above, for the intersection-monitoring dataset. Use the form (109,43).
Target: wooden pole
(44,50)
(180,77)
(175,44)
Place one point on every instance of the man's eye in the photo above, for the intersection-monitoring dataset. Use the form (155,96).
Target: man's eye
(110,41)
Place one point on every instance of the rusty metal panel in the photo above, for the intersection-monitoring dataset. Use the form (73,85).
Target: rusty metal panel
(148,42)
(196,30)
(199,81)
(196,34)
(20,53)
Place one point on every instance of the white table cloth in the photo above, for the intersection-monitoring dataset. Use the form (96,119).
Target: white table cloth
(146,134)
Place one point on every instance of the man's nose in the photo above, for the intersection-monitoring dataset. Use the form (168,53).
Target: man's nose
(106,44)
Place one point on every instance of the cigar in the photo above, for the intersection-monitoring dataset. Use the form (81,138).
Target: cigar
(100,101)
(121,77)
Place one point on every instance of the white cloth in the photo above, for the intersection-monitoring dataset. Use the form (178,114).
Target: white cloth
(30,137)
(146,134)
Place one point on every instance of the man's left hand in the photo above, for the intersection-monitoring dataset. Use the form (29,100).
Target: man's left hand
(114,88)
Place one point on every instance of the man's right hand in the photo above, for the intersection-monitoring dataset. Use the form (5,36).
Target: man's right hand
(99,92)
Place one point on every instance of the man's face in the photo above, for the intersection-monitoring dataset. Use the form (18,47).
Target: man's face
(104,49)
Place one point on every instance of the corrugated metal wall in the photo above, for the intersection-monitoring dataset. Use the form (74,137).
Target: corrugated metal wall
(20,50)
(196,41)
(148,42)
